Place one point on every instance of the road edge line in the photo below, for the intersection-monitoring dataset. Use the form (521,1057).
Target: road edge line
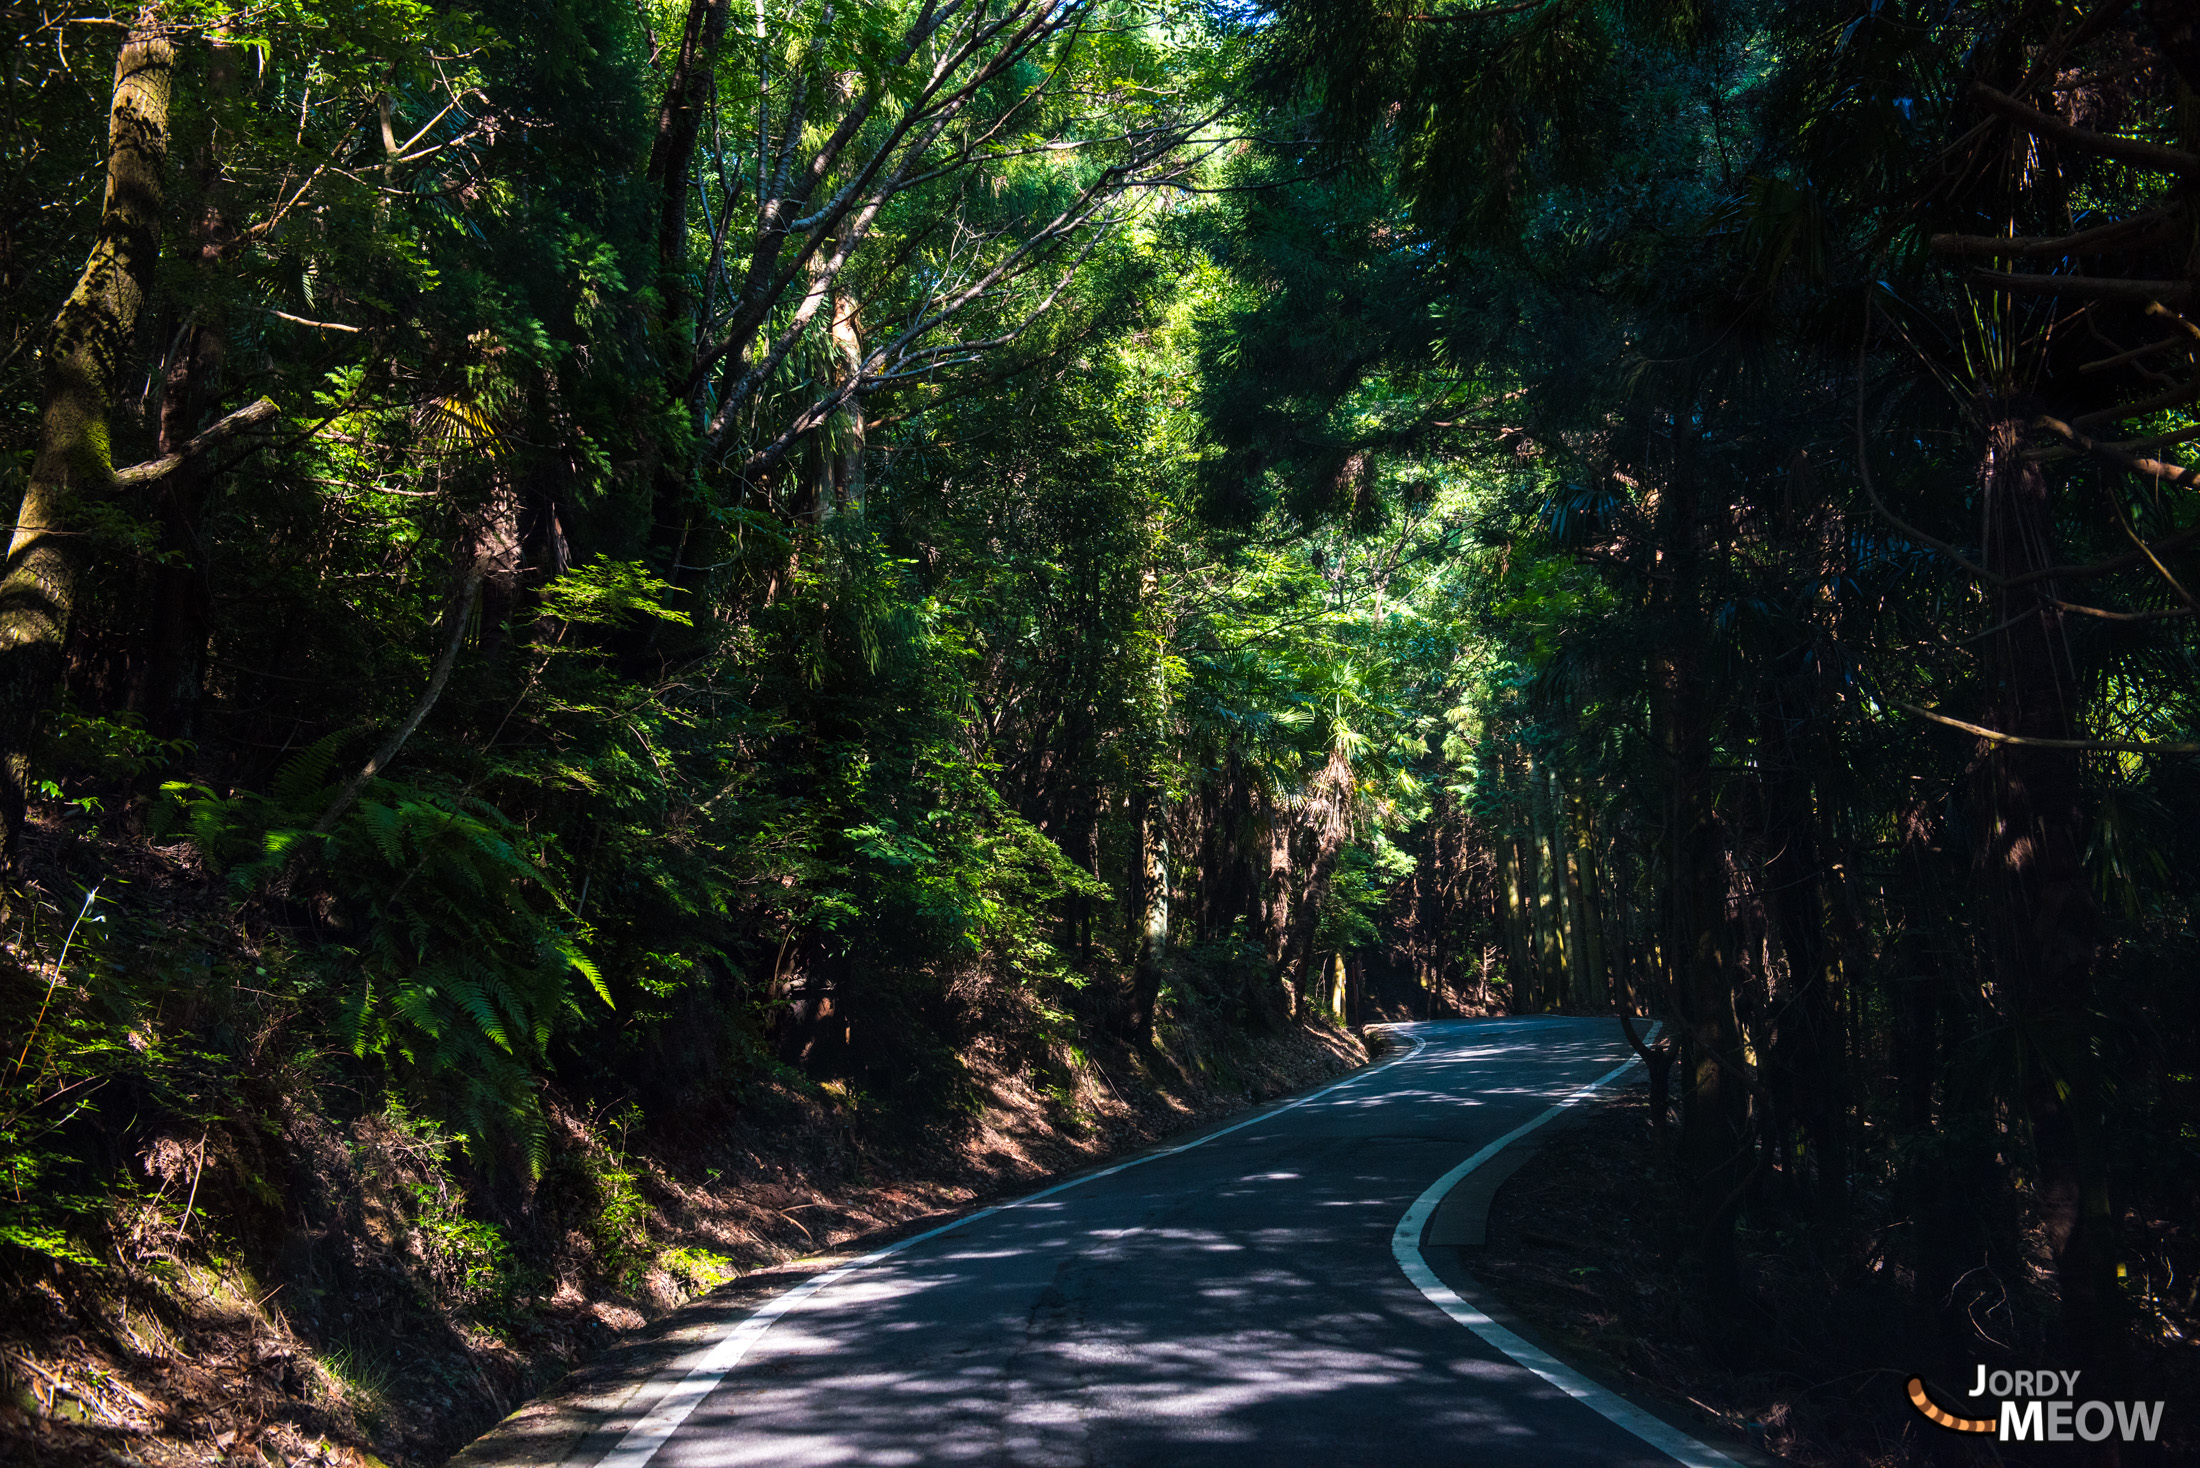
(1405,1247)
(684,1390)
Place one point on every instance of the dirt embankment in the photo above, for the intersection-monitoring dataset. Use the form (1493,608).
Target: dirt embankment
(1811,1364)
(299,1287)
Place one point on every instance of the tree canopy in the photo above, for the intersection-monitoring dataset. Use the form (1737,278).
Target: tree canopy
(621,550)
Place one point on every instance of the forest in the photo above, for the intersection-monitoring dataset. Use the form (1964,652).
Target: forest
(611,567)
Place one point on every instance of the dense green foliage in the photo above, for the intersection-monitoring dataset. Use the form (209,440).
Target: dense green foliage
(1836,660)
(731,585)
(815,538)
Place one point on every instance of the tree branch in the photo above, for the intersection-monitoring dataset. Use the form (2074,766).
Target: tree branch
(2119,746)
(2103,568)
(2086,287)
(2054,129)
(2136,354)
(2178,474)
(2157,615)
(2137,232)
(2174,397)
(241,422)
(436,679)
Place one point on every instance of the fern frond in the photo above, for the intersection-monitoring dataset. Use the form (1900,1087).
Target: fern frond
(417,1004)
(590,972)
(470,997)
(384,826)
(303,779)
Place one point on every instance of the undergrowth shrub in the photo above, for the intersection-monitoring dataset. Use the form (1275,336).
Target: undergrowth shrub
(81,1046)
(449,951)
(469,1261)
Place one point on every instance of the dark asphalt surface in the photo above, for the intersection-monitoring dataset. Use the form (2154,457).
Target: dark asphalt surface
(1236,1303)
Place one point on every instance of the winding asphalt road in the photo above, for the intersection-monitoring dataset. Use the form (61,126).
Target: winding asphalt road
(1232,1301)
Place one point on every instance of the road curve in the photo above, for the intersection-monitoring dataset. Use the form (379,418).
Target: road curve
(1232,1301)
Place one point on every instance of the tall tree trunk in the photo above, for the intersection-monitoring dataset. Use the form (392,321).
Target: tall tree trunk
(1528,993)
(1329,809)
(1577,921)
(2042,932)
(1550,895)
(1278,894)
(1513,897)
(670,173)
(845,432)
(87,356)
(1082,843)
(1150,913)
(1950,1182)
(671,167)
(1917,977)
(1699,945)
(182,598)
(1592,985)
(1806,1044)
(1713,1152)
(182,594)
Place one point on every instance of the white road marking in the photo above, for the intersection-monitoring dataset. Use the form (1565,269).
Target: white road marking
(1405,1246)
(685,1390)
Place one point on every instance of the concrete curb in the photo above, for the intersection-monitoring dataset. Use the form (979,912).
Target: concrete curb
(1459,1228)
(1462,1220)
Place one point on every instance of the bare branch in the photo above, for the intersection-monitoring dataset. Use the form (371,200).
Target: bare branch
(2159,614)
(2136,354)
(316,325)
(440,675)
(2125,150)
(245,420)
(2171,398)
(2086,287)
(2177,474)
(2120,746)
(2128,561)
(2126,234)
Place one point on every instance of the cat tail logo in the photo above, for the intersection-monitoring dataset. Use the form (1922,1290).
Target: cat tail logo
(1949,1420)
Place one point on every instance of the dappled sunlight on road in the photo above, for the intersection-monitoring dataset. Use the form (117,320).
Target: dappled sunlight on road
(1105,1346)
(1229,1302)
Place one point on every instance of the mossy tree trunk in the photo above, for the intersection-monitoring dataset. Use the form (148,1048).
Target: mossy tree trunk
(87,355)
